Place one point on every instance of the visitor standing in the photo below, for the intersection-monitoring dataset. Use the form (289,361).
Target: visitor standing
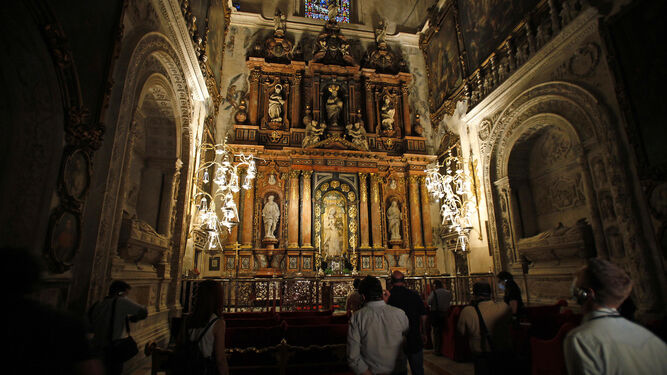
(486,323)
(411,303)
(438,302)
(376,333)
(605,342)
(109,320)
(201,343)
(512,292)
(354,299)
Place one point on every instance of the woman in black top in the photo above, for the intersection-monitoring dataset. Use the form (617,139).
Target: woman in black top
(512,291)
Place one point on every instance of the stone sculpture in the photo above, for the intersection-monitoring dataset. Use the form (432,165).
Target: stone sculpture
(276,102)
(394,219)
(271,214)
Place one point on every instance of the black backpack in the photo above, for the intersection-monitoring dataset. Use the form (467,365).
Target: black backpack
(188,359)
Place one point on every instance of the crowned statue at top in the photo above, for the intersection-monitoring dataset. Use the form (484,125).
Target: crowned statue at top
(333,10)
(334,106)
(381,33)
(279,21)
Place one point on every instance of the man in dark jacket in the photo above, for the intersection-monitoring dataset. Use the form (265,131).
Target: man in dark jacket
(413,306)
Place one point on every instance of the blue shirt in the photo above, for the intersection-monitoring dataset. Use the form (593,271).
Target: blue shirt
(606,343)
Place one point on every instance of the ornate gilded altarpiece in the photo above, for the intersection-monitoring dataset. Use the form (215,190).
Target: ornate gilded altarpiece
(337,145)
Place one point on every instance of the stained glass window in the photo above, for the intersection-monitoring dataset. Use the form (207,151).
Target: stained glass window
(319,9)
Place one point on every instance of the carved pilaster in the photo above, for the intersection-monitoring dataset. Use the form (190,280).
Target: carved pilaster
(376,217)
(234,233)
(254,96)
(293,210)
(306,211)
(426,213)
(415,213)
(407,125)
(296,98)
(363,211)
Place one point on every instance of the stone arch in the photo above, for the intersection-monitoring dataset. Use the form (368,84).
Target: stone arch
(146,58)
(553,105)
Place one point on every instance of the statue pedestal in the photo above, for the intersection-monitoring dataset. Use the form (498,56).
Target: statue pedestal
(395,244)
(270,243)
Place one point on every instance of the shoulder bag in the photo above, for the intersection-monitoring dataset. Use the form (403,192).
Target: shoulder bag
(121,350)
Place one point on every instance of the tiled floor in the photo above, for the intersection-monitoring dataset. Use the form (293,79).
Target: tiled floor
(433,365)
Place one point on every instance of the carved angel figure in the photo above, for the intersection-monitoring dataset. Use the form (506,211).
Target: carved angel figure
(387,112)
(276,102)
(313,133)
(334,106)
(357,134)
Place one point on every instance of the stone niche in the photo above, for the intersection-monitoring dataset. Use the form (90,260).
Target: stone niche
(543,200)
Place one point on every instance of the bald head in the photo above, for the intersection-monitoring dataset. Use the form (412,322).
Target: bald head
(397,278)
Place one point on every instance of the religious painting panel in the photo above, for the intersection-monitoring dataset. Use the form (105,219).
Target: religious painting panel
(76,174)
(441,52)
(214,263)
(485,24)
(64,238)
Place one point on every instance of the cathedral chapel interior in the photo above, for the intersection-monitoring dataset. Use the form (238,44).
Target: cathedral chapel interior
(263,144)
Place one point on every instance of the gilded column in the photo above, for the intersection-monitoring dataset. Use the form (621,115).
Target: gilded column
(234,234)
(407,125)
(248,204)
(426,213)
(293,210)
(363,211)
(415,214)
(306,211)
(376,215)
(296,100)
(254,96)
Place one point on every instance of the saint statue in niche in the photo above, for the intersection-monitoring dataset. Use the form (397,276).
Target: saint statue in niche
(394,219)
(334,106)
(271,214)
(332,233)
(276,102)
(387,112)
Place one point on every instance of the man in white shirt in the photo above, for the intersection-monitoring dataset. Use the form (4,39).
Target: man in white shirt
(605,342)
(376,333)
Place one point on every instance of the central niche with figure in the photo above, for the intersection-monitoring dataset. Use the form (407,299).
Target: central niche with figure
(336,222)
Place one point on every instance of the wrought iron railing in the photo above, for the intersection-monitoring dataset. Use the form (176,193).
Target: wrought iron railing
(312,294)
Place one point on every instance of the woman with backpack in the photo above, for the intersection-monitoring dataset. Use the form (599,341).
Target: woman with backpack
(201,348)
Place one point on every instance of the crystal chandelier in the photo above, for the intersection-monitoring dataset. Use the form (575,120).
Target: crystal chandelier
(453,189)
(226,168)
